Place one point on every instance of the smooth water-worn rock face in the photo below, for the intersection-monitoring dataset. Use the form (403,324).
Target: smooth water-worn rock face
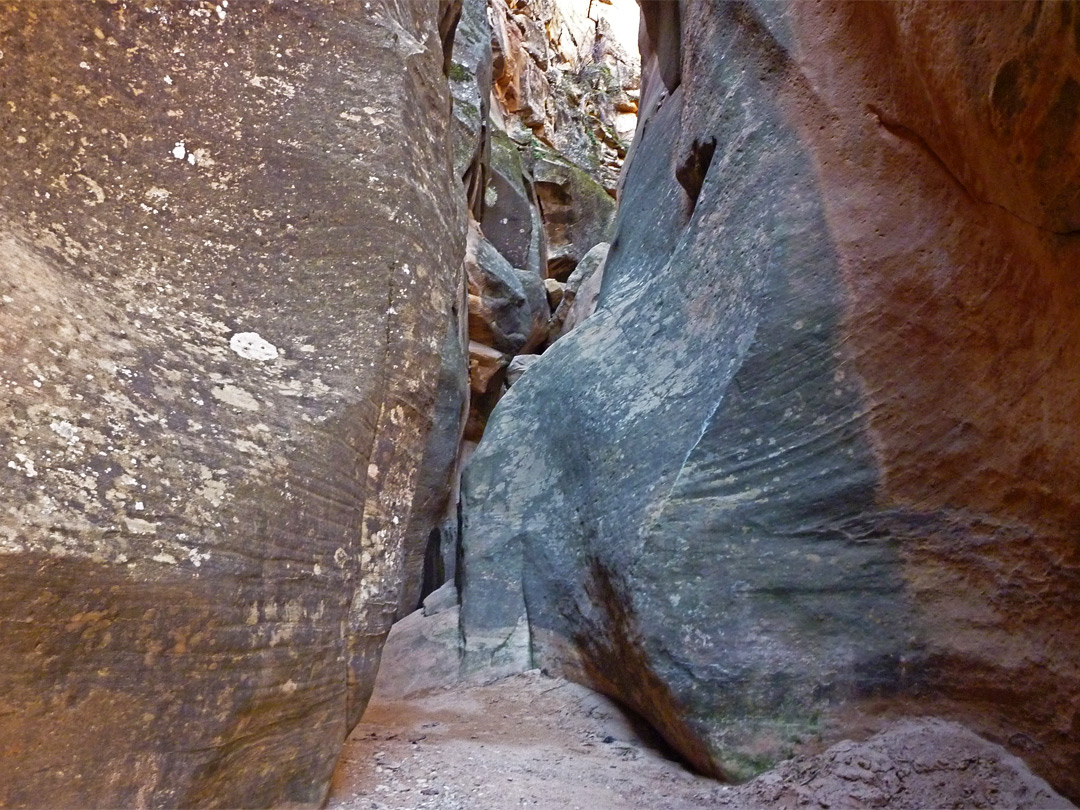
(812,461)
(230,246)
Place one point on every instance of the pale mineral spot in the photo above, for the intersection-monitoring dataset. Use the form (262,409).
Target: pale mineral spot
(251,346)
(237,397)
(27,465)
(140,526)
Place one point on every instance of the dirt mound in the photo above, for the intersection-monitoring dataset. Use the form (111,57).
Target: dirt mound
(913,765)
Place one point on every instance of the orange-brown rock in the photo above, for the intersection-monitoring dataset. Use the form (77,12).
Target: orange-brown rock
(519,83)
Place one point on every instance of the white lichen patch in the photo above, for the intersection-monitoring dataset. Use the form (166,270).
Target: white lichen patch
(95,189)
(201,157)
(251,346)
(213,491)
(26,463)
(157,197)
(65,430)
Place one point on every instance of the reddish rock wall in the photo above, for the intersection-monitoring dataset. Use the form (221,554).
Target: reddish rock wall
(949,176)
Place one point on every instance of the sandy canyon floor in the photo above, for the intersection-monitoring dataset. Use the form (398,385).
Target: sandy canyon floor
(531,741)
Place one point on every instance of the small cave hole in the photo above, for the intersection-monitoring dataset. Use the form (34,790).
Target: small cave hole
(692,171)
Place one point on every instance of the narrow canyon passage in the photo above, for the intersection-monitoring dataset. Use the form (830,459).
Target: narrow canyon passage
(772,443)
(554,404)
(524,741)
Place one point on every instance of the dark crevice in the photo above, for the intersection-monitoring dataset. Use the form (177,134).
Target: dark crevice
(434,574)
(661,36)
(692,171)
(448,23)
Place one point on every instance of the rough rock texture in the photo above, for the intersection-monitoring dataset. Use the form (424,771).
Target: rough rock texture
(566,74)
(230,246)
(812,461)
(508,313)
(520,84)
(914,764)
(586,55)
(577,212)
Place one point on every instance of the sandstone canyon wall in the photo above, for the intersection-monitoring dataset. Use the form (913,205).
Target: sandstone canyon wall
(810,466)
(231,244)
(812,462)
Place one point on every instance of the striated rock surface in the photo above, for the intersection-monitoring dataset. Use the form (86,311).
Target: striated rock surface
(230,248)
(811,463)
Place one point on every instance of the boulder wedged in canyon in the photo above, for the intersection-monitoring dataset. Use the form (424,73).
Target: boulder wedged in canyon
(577,211)
(231,249)
(507,313)
(580,293)
(508,307)
(811,463)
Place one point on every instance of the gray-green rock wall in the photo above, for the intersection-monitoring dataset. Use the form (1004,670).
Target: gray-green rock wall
(800,470)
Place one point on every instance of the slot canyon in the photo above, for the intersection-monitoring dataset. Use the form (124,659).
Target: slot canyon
(585,404)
